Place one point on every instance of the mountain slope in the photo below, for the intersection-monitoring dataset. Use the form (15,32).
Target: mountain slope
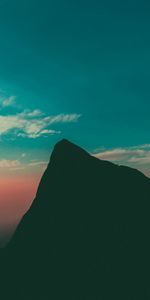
(86,235)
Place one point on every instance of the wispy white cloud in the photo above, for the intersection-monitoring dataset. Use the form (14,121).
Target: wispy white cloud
(137,156)
(33,124)
(37,163)
(120,154)
(14,165)
(29,123)
(10,101)
(34,113)
(8,164)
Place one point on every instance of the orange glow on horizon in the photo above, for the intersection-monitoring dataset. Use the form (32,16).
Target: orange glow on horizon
(16,196)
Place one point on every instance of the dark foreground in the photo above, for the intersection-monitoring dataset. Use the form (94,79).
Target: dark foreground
(86,235)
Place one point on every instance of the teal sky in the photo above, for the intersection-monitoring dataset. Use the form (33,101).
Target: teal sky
(73,69)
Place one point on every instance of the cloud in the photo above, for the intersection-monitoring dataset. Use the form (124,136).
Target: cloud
(10,101)
(120,154)
(35,113)
(137,156)
(8,164)
(141,160)
(37,163)
(33,124)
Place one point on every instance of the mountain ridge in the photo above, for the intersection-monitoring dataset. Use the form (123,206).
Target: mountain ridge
(65,146)
(86,234)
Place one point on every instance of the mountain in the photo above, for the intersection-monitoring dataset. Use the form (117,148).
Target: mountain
(86,235)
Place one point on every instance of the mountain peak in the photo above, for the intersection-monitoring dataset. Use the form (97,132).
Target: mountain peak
(66,148)
(87,229)
(65,143)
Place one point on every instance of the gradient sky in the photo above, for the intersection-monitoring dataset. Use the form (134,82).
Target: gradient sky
(74,69)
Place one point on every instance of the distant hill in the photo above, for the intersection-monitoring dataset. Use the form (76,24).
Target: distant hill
(86,235)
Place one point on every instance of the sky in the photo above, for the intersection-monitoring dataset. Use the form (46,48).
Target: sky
(70,69)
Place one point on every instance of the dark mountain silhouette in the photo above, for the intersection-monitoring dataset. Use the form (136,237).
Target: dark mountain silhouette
(86,235)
